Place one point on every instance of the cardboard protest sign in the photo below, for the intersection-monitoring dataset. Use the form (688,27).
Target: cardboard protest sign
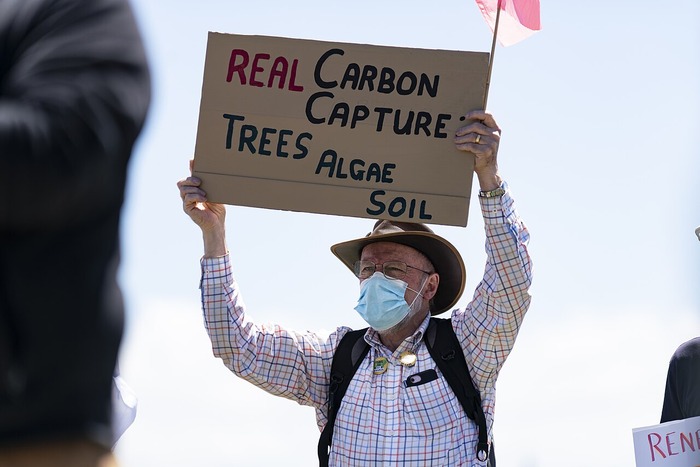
(334,128)
(670,444)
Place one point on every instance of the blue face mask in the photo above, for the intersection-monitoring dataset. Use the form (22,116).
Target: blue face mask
(382,303)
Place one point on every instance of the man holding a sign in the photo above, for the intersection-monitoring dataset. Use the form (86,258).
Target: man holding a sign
(407,274)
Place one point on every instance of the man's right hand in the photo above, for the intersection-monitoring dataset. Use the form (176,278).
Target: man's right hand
(210,217)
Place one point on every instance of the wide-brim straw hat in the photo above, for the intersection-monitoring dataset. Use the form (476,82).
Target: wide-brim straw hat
(442,254)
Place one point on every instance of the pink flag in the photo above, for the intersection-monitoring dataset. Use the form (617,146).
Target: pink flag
(519,19)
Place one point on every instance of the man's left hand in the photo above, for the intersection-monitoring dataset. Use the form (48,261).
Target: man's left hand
(481,137)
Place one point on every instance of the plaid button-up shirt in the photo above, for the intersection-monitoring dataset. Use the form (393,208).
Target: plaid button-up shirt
(381,421)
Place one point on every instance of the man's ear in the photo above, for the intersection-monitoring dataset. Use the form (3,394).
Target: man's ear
(431,286)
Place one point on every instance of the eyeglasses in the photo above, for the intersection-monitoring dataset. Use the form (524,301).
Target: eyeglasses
(390,269)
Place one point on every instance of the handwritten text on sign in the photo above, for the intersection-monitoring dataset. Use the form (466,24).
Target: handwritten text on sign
(669,444)
(331,128)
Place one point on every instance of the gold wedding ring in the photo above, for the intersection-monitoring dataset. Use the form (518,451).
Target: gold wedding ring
(478,138)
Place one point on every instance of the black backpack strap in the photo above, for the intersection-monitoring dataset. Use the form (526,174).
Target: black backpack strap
(351,350)
(446,350)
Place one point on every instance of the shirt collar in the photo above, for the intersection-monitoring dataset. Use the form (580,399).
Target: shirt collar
(372,336)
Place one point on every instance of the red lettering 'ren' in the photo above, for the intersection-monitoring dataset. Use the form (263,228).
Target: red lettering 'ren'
(687,440)
(239,68)
(655,447)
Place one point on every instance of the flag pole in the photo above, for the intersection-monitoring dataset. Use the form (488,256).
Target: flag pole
(493,51)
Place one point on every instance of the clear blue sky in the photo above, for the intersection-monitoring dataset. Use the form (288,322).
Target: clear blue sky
(600,114)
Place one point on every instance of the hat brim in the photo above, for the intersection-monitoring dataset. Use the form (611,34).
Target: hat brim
(442,254)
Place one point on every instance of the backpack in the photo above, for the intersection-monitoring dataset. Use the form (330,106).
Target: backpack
(446,351)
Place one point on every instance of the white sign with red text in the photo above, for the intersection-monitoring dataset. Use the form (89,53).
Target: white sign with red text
(670,444)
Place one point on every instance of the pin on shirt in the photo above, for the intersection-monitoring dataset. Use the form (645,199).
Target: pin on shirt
(408,358)
(381,364)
